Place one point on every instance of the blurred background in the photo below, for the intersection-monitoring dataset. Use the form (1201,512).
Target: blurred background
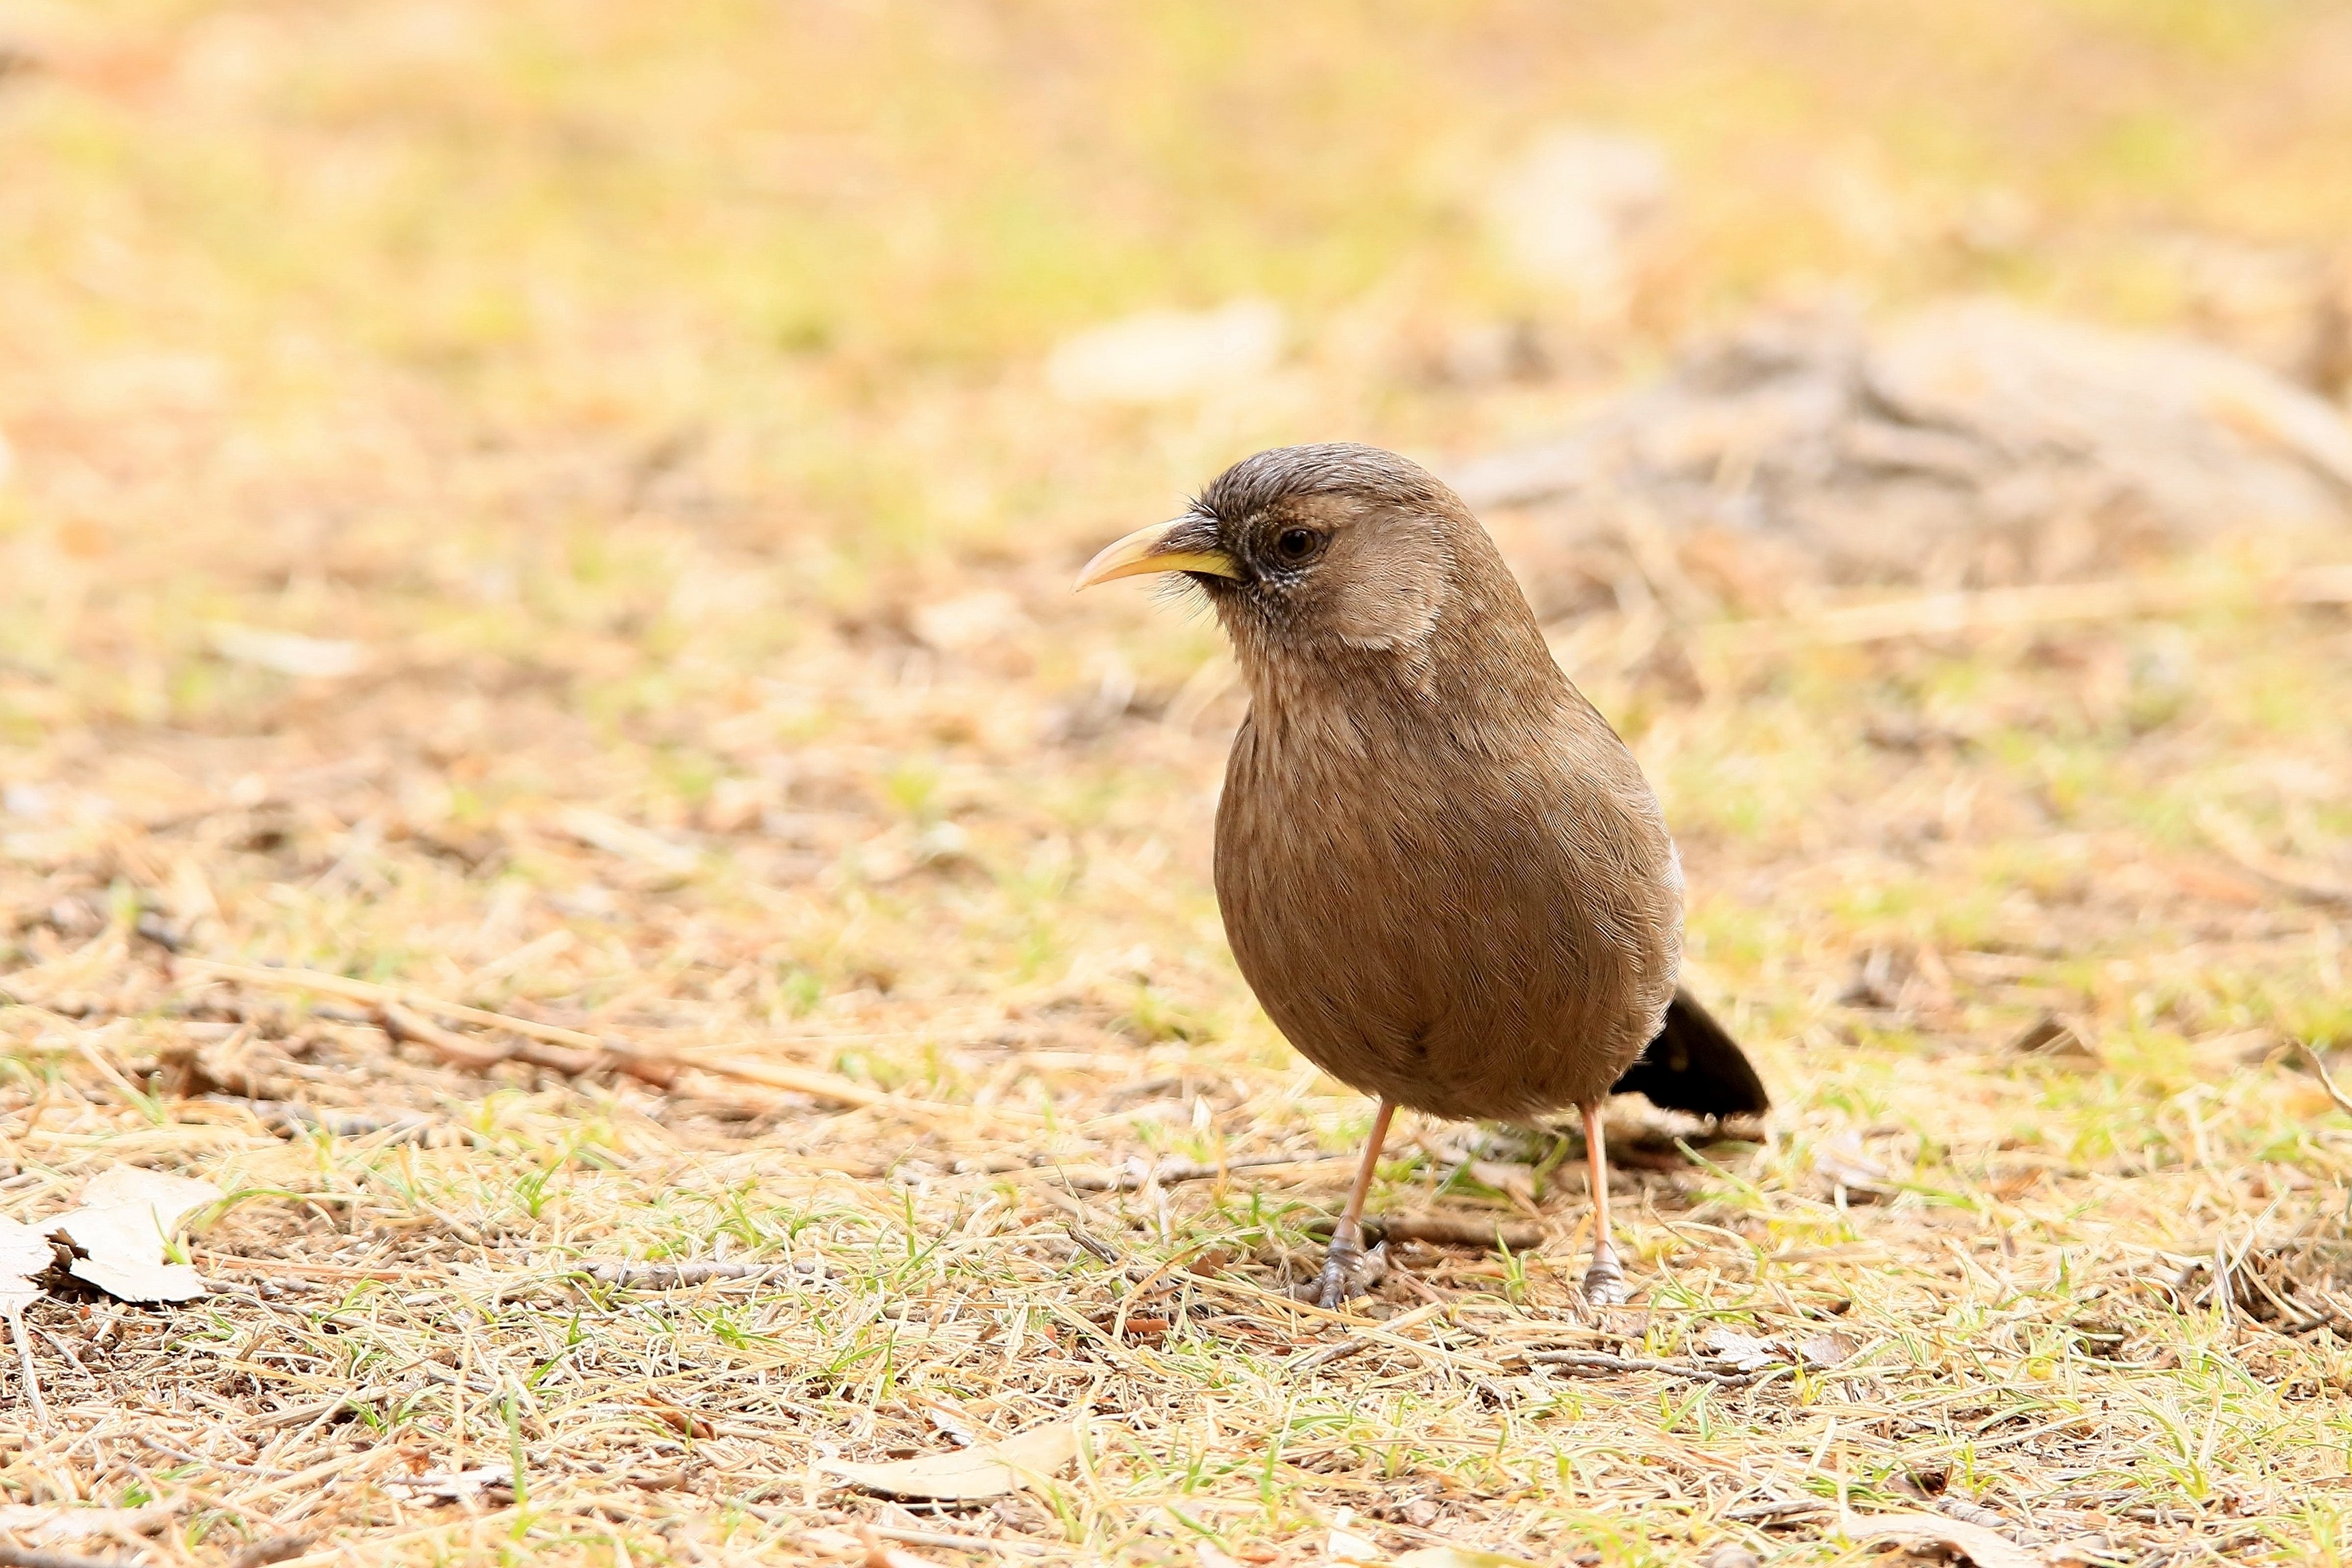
(607,476)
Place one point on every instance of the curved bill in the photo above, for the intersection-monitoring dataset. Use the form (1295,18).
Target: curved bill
(1176,545)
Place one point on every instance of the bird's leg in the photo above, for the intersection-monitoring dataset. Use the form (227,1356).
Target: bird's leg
(1345,1256)
(1604,1282)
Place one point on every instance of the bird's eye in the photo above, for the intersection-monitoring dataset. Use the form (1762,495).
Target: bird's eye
(1297,544)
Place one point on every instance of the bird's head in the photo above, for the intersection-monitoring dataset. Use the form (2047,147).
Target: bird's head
(1308,550)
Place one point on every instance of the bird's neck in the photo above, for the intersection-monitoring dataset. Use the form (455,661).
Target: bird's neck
(1482,678)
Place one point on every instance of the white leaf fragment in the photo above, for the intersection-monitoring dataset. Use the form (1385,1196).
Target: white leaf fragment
(24,1256)
(1742,1352)
(47,1524)
(982,1470)
(1750,1352)
(128,1215)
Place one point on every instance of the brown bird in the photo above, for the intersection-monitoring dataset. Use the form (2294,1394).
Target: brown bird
(1440,868)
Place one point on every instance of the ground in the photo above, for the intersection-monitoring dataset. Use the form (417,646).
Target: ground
(634,414)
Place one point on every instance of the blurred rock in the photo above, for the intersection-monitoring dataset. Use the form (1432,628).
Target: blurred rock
(1570,212)
(2286,307)
(953,625)
(16,61)
(1974,443)
(1486,353)
(1162,356)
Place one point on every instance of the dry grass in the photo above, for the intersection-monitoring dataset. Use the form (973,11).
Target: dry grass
(651,392)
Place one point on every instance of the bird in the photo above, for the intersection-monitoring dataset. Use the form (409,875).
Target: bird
(1440,870)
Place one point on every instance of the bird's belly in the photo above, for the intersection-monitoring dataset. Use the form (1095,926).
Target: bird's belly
(1460,971)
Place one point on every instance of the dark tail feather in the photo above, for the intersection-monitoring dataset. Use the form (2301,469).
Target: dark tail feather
(1695,1067)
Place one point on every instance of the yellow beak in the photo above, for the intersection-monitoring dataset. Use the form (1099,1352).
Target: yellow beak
(1157,549)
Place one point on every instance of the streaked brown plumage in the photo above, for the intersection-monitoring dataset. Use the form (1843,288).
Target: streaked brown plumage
(1441,871)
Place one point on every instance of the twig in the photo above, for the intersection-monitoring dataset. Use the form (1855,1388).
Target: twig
(294,1118)
(672,1276)
(1340,1350)
(2329,1316)
(1602,1360)
(403,1025)
(2343,1101)
(373,995)
(26,1369)
(301,1269)
(1260,1295)
(401,1012)
(296,1415)
(1136,1174)
(1789,1508)
(185,1457)
(1324,1355)
(2233,839)
(1447,1230)
(2293,1318)
(275,1548)
(1101,1250)
(949,1542)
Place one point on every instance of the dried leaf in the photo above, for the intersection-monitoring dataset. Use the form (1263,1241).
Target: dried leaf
(1985,1548)
(24,1256)
(1751,1352)
(140,1281)
(1742,1352)
(127,1217)
(455,1486)
(47,1523)
(287,653)
(983,1470)
(1348,1545)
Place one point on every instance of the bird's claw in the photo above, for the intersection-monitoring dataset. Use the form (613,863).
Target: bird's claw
(1604,1282)
(1348,1269)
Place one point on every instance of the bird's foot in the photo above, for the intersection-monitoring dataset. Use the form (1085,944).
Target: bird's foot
(1348,1269)
(1604,1282)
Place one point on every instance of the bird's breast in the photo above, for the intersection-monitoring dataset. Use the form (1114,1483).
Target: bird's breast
(1467,933)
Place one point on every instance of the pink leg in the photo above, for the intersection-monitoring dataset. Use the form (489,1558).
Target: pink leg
(1346,1254)
(1604,1282)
